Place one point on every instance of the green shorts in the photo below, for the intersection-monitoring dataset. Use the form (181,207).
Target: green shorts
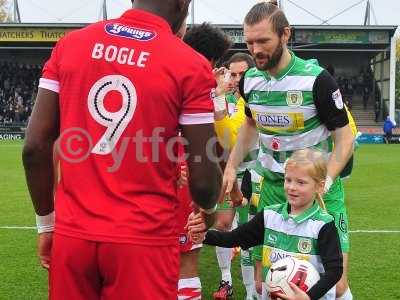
(273,193)
(334,201)
(224,205)
(243,213)
(257,253)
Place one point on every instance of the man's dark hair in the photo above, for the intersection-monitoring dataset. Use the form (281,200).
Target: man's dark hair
(208,40)
(240,56)
(331,70)
(267,11)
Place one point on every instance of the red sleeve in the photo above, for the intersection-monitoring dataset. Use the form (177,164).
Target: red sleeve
(197,88)
(50,75)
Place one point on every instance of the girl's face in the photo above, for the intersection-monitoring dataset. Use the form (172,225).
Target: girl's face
(300,188)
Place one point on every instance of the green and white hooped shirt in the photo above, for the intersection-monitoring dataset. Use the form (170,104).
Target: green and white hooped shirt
(294,236)
(311,236)
(294,110)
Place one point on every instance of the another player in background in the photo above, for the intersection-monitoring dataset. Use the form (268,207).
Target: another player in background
(301,227)
(292,104)
(116,103)
(212,43)
(229,116)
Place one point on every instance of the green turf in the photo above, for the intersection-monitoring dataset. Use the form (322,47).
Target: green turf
(372,199)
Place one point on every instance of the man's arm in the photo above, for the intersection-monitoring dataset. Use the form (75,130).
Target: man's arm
(247,137)
(332,112)
(37,155)
(343,149)
(205,174)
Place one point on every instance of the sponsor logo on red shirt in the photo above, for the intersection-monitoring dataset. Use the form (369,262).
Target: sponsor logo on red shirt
(130,32)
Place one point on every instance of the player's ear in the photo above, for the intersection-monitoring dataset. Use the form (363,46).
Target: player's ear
(320,187)
(286,35)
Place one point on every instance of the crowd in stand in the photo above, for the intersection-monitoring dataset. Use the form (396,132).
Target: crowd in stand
(18,88)
(360,84)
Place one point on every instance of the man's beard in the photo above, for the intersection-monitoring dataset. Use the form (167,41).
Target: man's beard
(272,61)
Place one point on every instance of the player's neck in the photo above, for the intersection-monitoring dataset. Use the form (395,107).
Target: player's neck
(283,63)
(155,9)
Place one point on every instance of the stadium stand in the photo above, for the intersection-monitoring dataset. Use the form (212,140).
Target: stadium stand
(18,88)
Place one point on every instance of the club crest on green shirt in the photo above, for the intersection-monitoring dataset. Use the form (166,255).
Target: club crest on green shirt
(294,98)
(304,245)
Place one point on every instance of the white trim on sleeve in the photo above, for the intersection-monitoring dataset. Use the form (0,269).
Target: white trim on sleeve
(195,119)
(49,84)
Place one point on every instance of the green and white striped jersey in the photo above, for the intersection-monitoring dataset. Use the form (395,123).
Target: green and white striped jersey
(285,235)
(285,113)
(309,236)
(294,236)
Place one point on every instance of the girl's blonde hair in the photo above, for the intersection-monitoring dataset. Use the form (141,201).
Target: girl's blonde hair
(316,163)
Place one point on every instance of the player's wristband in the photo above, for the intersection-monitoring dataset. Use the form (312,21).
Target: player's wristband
(328,183)
(45,223)
(209,211)
(219,103)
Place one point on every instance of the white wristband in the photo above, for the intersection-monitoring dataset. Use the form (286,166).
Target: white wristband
(328,183)
(209,211)
(219,103)
(45,223)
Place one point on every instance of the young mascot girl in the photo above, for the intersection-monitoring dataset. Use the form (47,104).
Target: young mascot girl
(300,227)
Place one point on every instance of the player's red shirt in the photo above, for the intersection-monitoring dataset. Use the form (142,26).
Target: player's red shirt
(119,81)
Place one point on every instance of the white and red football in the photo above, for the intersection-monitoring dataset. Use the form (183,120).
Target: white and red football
(290,269)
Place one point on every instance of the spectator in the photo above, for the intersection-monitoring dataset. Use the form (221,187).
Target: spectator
(17,91)
(377,107)
(388,126)
(365,96)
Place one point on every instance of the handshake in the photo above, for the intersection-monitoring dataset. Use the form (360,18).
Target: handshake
(199,221)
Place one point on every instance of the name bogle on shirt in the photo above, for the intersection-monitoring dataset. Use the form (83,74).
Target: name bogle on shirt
(124,55)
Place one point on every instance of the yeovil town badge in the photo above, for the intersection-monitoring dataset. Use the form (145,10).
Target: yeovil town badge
(304,245)
(294,98)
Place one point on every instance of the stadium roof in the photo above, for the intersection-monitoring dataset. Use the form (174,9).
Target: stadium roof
(304,37)
(311,12)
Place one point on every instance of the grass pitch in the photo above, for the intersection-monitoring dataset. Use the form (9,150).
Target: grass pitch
(372,197)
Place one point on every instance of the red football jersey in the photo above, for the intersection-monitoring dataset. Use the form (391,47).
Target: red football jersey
(124,87)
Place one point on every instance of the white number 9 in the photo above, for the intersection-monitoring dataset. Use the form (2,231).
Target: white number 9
(116,122)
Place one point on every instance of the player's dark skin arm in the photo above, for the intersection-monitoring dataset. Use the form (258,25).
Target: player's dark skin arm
(205,176)
(37,154)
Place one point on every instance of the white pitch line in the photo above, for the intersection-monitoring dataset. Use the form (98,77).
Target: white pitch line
(18,227)
(351,231)
(374,231)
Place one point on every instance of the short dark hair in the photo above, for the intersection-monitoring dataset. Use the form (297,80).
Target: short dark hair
(331,70)
(267,11)
(240,56)
(208,40)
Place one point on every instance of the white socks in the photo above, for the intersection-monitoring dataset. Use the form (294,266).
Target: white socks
(189,288)
(224,262)
(346,296)
(247,273)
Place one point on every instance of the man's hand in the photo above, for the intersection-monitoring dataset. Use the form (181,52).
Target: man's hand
(197,227)
(236,196)
(222,77)
(45,241)
(228,183)
(299,294)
